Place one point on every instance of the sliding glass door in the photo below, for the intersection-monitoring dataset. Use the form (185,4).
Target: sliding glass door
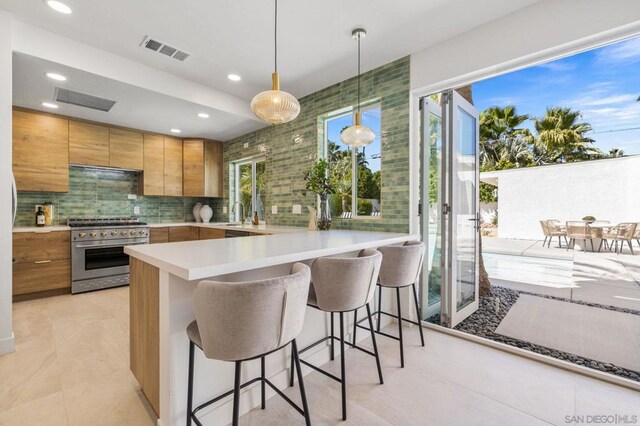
(250,186)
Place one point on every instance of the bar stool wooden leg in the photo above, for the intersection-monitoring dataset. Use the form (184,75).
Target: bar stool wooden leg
(236,393)
(343,382)
(415,298)
(190,384)
(303,393)
(375,346)
(262,384)
(400,327)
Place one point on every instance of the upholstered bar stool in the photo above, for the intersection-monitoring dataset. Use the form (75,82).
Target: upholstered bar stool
(242,321)
(339,286)
(401,266)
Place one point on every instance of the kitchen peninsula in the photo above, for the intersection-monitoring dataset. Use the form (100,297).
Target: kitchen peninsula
(163,277)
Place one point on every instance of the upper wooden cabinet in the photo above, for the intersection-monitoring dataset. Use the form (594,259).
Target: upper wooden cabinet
(126,149)
(172,166)
(40,152)
(202,168)
(88,144)
(152,176)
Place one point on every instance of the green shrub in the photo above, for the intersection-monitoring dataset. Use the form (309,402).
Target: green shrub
(365,207)
(335,205)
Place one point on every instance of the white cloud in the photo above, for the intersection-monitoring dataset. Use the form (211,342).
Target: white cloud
(626,51)
(557,66)
(607,100)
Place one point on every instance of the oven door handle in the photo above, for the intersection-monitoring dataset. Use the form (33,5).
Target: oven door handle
(108,245)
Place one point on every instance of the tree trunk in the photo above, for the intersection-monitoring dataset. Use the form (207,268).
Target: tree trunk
(485,285)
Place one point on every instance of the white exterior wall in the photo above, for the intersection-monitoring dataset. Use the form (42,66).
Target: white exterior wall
(6,335)
(606,189)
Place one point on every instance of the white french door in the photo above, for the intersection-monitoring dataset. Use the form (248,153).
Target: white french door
(450,225)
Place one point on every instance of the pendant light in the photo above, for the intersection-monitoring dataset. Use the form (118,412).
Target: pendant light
(358,135)
(275,106)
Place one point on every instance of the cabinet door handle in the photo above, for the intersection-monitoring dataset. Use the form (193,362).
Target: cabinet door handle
(42,261)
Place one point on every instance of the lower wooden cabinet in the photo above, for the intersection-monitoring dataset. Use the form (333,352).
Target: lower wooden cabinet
(41,275)
(42,262)
(158,235)
(183,233)
(211,233)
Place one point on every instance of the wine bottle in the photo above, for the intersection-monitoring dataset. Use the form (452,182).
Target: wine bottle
(40,217)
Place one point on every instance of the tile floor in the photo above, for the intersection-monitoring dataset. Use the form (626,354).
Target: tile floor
(71,368)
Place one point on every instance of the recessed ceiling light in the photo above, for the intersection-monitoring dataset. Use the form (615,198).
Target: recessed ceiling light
(234,77)
(203,115)
(54,76)
(49,105)
(58,6)
(176,131)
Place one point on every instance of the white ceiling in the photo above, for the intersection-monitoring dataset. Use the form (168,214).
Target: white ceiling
(135,107)
(232,36)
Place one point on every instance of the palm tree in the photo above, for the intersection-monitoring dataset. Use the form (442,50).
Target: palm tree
(616,152)
(563,136)
(500,134)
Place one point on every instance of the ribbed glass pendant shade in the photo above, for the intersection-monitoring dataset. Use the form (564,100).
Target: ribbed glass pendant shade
(275,106)
(357,135)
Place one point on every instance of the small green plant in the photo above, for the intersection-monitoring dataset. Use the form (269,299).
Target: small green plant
(365,207)
(494,219)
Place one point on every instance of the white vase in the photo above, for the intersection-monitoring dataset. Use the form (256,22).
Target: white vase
(196,212)
(206,213)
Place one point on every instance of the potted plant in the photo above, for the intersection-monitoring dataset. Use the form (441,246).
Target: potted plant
(589,219)
(318,180)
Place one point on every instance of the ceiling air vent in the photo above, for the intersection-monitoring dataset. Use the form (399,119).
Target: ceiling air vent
(165,49)
(82,99)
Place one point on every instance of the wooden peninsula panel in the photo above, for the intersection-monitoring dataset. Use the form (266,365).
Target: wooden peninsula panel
(144,299)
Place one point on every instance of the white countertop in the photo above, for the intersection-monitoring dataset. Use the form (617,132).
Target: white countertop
(194,260)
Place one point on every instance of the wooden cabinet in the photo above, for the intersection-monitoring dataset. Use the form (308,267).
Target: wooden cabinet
(183,233)
(152,176)
(211,233)
(42,262)
(203,168)
(172,166)
(40,152)
(158,235)
(88,144)
(126,149)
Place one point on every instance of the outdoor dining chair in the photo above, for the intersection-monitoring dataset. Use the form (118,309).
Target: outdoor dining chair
(579,231)
(552,228)
(636,235)
(623,232)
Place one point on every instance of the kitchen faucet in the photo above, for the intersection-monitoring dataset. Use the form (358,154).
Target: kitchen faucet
(233,210)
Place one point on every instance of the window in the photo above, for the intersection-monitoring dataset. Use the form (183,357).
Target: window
(357,173)
(250,180)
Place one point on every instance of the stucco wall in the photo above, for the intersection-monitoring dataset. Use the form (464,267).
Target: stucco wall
(607,189)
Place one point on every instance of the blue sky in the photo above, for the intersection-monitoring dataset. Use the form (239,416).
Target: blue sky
(603,84)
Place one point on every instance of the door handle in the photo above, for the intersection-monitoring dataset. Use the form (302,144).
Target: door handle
(38,262)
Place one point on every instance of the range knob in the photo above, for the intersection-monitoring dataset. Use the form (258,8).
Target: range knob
(93,234)
(103,234)
(123,233)
(82,235)
(132,233)
(114,233)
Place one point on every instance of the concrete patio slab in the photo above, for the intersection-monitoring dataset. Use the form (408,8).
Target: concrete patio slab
(595,333)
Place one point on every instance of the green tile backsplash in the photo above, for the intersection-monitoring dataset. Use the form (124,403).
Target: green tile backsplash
(291,148)
(103,193)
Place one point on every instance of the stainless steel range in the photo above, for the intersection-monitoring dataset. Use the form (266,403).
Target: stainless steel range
(98,259)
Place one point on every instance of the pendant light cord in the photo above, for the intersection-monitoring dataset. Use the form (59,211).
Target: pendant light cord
(275,37)
(358,72)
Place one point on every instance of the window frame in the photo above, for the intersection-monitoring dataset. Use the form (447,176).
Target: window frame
(237,165)
(354,156)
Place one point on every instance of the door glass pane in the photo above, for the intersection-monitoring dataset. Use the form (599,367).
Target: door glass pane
(260,187)
(368,166)
(245,190)
(434,210)
(464,200)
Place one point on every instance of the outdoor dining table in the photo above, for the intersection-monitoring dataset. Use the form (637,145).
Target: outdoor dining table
(596,236)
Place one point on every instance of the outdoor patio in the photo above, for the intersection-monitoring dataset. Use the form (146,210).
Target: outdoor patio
(566,303)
